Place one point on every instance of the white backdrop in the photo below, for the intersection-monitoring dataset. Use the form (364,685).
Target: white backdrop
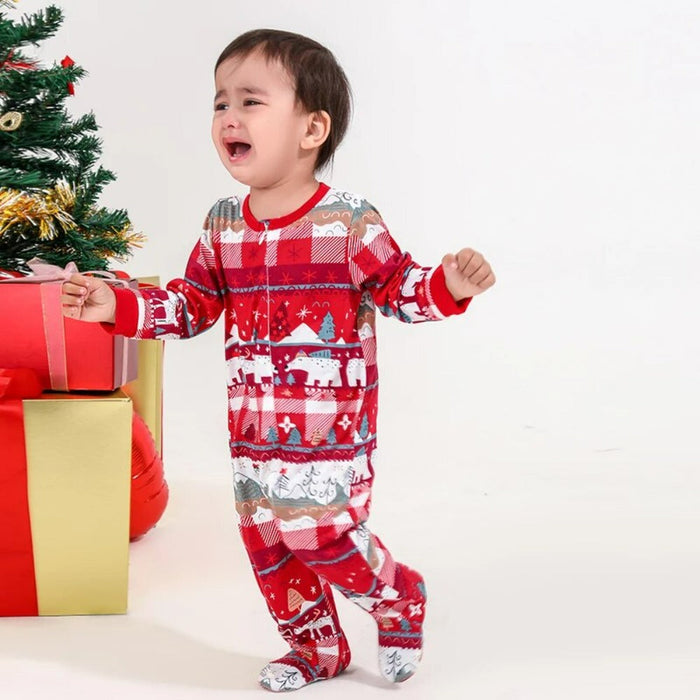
(558,138)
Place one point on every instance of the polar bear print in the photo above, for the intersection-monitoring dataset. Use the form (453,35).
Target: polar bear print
(260,366)
(356,372)
(323,370)
(235,370)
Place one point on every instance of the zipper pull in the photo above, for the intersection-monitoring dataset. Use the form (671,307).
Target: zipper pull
(266,224)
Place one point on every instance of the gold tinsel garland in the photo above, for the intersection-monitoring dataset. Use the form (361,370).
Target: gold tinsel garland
(48,212)
(45,210)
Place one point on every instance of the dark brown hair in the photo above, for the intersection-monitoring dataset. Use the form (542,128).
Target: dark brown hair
(319,81)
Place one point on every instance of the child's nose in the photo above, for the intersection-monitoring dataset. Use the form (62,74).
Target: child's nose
(232,119)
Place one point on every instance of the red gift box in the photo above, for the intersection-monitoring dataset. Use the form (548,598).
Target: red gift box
(66,354)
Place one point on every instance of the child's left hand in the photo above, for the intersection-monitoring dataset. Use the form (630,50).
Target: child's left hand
(467,274)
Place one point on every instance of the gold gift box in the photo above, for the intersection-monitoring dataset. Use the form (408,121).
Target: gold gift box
(78,480)
(146,391)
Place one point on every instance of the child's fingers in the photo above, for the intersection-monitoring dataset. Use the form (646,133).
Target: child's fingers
(77,289)
(72,299)
(73,296)
(81,280)
(71,311)
(488,282)
(480,274)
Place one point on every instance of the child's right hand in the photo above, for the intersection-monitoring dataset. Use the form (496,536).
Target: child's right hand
(88,299)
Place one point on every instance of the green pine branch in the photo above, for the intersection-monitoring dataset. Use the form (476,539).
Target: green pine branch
(30,29)
(48,148)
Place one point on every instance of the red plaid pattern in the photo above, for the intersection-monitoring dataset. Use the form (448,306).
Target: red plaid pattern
(299,299)
(294,560)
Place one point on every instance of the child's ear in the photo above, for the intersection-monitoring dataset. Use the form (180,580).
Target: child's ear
(318,126)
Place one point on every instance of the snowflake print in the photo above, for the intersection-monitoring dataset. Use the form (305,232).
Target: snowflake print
(345,422)
(287,425)
(415,609)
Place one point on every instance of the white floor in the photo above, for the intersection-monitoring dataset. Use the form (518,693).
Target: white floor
(570,594)
(550,495)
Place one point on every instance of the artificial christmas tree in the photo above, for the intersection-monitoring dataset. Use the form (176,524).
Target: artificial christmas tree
(49,177)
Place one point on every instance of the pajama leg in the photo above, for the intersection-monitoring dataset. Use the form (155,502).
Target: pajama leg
(302,606)
(340,548)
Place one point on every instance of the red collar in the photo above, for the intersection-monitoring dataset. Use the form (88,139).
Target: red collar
(288,219)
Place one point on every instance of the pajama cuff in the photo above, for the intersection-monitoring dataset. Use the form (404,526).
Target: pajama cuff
(441,296)
(126,315)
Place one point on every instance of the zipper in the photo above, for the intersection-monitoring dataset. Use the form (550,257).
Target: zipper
(263,237)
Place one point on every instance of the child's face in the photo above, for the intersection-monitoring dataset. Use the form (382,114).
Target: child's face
(258,126)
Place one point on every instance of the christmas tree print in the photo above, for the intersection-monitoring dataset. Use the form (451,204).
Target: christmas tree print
(282,483)
(290,379)
(279,327)
(328,491)
(294,599)
(287,680)
(49,180)
(331,438)
(273,435)
(327,331)
(393,665)
(310,482)
(294,437)
(364,427)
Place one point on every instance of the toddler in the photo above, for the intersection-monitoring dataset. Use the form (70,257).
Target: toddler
(298,270)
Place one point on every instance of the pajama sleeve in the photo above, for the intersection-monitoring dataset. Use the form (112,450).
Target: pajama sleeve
(400,287)
(187,306)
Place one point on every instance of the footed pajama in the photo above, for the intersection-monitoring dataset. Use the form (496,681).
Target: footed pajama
(299,296)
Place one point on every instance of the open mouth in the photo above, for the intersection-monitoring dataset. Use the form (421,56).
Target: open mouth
(237,149)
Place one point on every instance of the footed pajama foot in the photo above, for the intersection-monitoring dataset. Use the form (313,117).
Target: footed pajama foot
(304,666)
(401,635)
(398,664)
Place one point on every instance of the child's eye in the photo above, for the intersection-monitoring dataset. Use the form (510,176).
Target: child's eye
(220,106)
(250,103)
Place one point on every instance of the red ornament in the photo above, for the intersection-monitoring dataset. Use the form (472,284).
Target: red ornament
(149,491)
(67,62)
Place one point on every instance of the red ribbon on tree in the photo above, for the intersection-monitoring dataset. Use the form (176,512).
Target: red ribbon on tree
(9,64)
(67,62)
